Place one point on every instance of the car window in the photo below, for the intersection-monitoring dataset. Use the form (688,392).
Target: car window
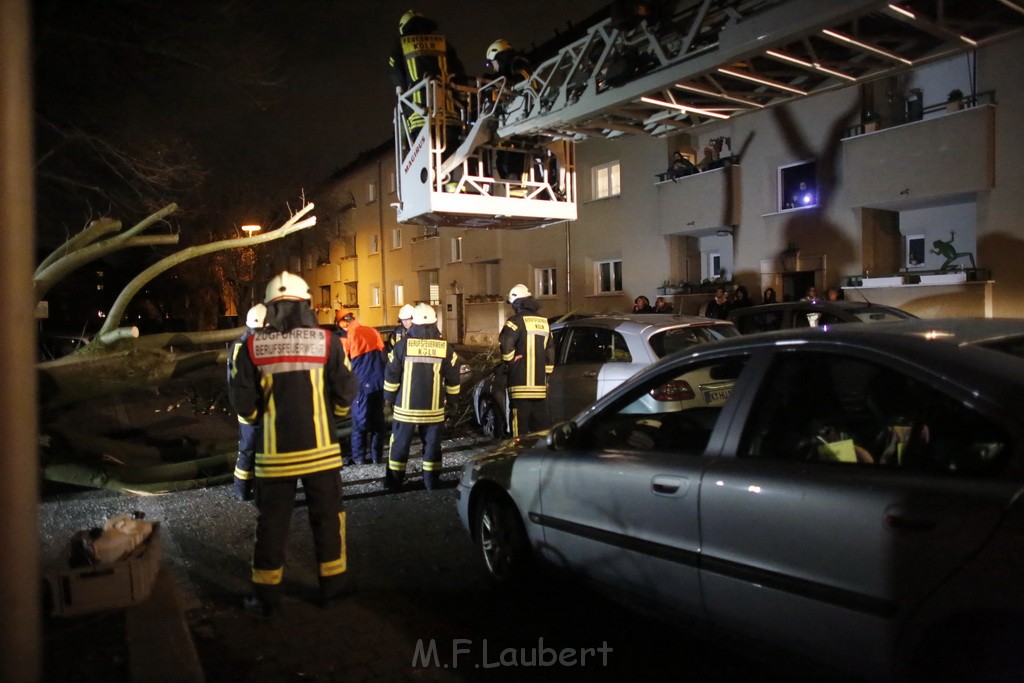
(840,410)
(763,321)
(595,345)
(876,314)
(678,338)
(674,412)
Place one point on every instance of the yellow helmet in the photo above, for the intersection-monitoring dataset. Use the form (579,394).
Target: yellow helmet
(406,18)
(498,46)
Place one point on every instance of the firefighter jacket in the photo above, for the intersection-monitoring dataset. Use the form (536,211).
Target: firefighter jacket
(420,54)
(527,351)
(397,335)
(293,384)
(365,349)
(245,462)
(422,369)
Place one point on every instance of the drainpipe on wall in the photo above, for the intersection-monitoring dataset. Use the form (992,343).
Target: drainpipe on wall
(380,231)
(568,271)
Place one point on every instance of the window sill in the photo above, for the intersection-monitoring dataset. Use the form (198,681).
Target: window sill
(602,199)
(605,294)
(788,211)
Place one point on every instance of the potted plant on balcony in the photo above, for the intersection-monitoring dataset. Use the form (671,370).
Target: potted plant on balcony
(675,287)
(872,122)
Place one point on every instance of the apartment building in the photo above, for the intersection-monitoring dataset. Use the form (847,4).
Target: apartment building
(883,205)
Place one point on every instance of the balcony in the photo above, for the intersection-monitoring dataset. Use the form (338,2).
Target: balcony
(700,203)
(426,253)
(919,163)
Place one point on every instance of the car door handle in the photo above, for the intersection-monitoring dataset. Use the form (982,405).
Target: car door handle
(590,373)
(666,485)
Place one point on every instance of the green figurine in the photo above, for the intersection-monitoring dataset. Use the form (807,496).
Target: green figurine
(949,251)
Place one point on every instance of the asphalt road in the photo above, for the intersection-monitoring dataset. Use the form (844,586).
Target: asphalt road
(422,607)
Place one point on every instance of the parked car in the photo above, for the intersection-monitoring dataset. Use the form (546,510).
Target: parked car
(853,494)
(795,314)
(593,355)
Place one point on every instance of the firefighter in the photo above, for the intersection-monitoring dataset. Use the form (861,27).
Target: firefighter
(529,358)
(507,62)
(421,53)
(420,364)
(365,349)
(404,323)
(291,381)
(248,434)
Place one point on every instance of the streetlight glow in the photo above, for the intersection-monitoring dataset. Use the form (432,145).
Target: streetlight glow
(251,229)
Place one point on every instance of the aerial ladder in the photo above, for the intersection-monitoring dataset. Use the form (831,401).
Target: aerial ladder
(692,62)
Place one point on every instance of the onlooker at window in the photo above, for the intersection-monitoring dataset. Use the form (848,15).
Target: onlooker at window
(642,304)
(812,294)
(769,296)
(832,294)
(662,306)
(741,299)
(719,306)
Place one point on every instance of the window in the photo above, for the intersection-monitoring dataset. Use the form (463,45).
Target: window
(840,410)
(399,298)
(456,249)
(296,264)
(371,192)
(605,180)
(374,243)
(714,265)
(435,294)
(392,185)
(608,276)
(915,251)
(546,281)
(375,295)
(396,238)
(798,186)
(325,296)
(674,412)
(595,345)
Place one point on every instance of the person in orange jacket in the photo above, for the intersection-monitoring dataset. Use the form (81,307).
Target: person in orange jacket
(365,349)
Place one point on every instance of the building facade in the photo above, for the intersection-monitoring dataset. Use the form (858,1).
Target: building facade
(810,193)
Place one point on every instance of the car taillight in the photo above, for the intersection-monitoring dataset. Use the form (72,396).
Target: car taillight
(673,390)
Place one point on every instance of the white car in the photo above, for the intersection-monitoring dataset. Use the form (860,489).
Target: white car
(595,354)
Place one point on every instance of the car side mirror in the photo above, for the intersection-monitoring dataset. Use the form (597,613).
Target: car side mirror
(561,435)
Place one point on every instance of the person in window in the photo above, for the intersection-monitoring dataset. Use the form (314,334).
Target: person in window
(741,299)
(719,306)
(642,304)
(832,294)
(769,296)
(680,167)
(811,295)
(662,306)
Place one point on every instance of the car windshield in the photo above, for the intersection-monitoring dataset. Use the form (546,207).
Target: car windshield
(675,339)
(877,314)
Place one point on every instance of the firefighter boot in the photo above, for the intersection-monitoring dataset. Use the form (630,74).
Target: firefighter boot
(393,480)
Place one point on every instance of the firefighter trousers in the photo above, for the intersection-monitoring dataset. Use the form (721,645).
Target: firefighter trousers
(275,501)
(401,442)
(528,415)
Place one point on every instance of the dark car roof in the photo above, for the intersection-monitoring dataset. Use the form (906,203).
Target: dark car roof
(820,304)
(640,321)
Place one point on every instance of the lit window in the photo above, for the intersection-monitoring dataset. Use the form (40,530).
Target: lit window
(399,299)
(371,192)
(608,276)
(714,265)
(456,249)
(374,243)
(798,186)
(392,186)
(546,281)
(325,296)
(375,296)
(396,238)
(605,180)
(435,295)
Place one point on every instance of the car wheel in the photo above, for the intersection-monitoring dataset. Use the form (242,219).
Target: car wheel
(502,540)
(491,422)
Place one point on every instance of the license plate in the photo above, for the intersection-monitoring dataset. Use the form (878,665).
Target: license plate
(716,396)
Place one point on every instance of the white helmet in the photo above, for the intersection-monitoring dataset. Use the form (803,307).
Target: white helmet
(255,317)
(405,312)
(424,314)
(498,46)
(518,292)
(287,286)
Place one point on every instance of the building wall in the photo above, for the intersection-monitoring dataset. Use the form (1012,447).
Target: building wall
(841,237)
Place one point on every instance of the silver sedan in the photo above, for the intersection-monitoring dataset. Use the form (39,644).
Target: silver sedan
(851,494)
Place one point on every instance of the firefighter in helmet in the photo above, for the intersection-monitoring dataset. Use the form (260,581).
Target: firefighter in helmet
(248,434)
(422,370)
(291,381)
(529,356)
(401,329)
